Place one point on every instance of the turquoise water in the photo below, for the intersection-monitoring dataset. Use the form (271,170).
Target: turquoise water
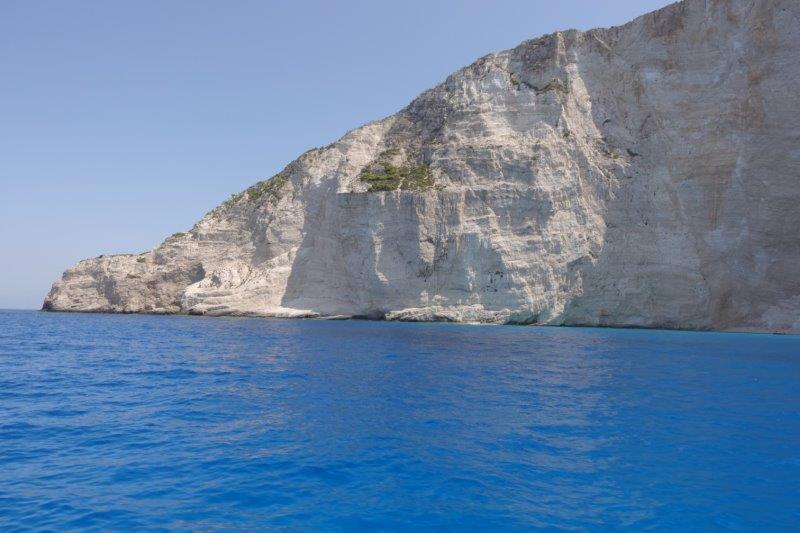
(133,422)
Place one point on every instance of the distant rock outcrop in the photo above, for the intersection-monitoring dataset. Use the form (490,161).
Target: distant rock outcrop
(643,175)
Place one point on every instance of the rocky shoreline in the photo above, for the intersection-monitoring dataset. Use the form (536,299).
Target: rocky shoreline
(642,176)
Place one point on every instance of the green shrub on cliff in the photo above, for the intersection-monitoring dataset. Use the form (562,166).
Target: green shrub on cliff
(383,175)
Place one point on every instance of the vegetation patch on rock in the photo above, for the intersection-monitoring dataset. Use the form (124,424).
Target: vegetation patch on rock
(383,175)
(271,189)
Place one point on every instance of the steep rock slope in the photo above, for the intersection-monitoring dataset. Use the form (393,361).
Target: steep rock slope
(643,175)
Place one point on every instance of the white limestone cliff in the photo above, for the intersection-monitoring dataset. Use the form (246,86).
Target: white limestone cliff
(643,175)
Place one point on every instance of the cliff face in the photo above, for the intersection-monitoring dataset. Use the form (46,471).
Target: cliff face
(643,175)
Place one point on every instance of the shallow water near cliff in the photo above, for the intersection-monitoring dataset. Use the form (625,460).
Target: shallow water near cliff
(119,422)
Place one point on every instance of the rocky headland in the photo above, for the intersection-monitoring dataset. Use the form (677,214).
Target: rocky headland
(645,175)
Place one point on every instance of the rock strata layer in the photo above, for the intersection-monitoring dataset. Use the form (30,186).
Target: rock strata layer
(644,175)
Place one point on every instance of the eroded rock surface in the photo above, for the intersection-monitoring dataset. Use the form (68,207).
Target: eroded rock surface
(643,175)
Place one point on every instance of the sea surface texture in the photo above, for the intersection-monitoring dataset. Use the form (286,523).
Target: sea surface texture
(120,422)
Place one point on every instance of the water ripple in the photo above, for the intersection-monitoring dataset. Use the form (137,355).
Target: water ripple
(136,422)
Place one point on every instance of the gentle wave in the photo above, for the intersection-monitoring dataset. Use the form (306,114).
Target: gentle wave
(140,422)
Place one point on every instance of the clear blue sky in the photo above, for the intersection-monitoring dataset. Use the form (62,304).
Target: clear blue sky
(124,122)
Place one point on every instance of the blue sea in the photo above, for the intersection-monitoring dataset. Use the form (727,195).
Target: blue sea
(124,422)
